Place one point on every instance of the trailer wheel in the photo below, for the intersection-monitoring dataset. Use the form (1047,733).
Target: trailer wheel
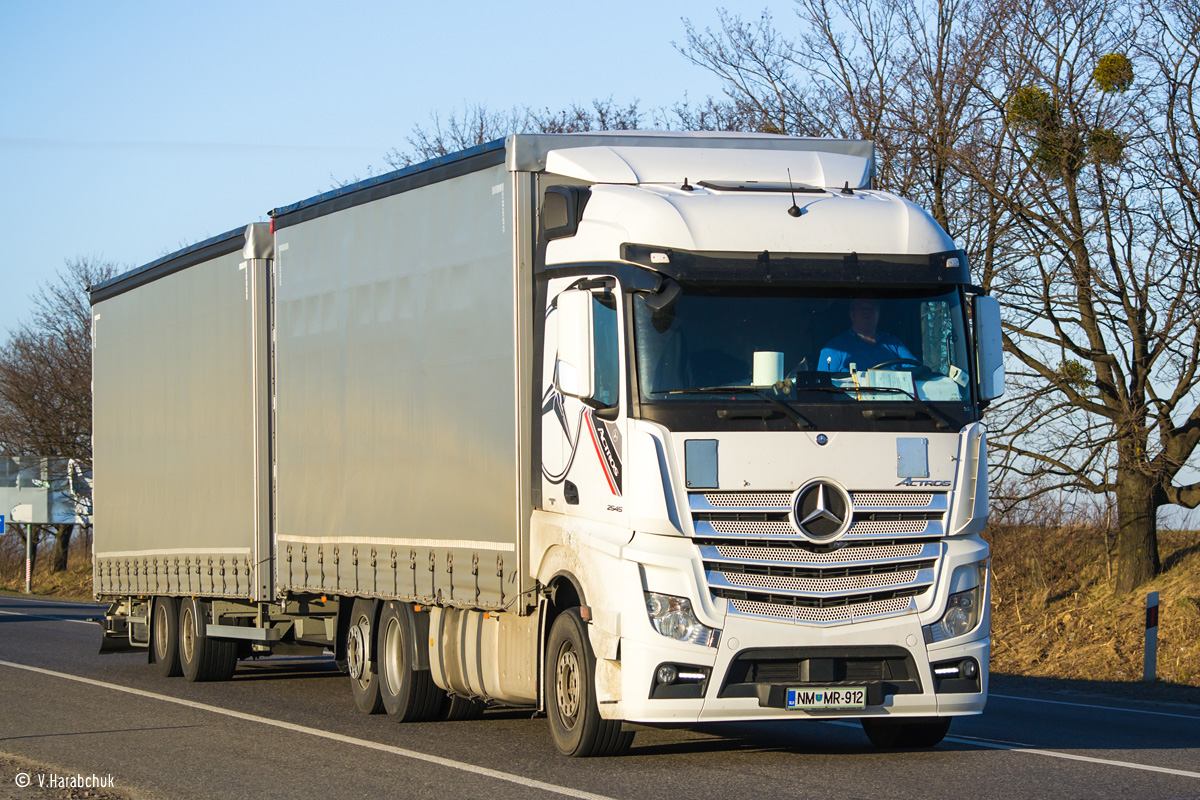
(202,658)
(570,680)
(889,734)
(409,694)
(364,679)
(165,635)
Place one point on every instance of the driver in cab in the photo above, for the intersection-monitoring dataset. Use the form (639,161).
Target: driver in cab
(863,345)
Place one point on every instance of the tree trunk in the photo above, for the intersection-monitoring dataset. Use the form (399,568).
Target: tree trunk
(62,546)
(1137,529)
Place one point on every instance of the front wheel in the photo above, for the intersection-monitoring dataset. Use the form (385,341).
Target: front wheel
(905,733)
(570,680)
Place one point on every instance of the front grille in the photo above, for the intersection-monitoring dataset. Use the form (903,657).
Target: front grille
(755,558)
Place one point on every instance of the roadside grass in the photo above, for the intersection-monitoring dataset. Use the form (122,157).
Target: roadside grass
(73,584)
(1054,612)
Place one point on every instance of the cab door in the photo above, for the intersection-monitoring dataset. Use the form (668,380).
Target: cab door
(583,409)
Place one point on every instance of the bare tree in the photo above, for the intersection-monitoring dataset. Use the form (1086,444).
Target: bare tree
(478,124)
(1057,140)
(46,384)
(1102,305)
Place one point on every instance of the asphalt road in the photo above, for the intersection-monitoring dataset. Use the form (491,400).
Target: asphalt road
(287,728)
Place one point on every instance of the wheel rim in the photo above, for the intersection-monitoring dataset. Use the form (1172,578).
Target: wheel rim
(566,684)
(356,651)
(393,656)
(187,639)
(160,631)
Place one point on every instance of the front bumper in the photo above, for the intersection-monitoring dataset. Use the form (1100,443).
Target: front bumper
(907,691)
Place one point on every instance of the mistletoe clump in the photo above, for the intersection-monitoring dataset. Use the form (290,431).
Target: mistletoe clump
(1113,72)
(1106,146)
(1031,108)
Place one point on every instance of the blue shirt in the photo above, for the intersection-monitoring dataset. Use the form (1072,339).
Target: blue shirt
(849,348)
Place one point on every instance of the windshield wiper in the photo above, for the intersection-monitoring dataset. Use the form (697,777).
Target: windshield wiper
(801,422)
(940,419)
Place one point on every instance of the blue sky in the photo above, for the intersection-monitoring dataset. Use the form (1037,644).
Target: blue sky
(131,129)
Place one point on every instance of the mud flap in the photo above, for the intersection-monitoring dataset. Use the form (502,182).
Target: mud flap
(115,638)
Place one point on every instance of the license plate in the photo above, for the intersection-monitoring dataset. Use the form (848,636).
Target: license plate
(827,697)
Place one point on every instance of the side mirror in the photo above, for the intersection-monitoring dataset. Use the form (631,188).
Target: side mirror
(573,370)
(989,347)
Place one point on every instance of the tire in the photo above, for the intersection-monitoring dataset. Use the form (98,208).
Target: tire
(202,658)
(164,636)
(910,733)
(458,708)
(409,695)
(365,687)
(570,680)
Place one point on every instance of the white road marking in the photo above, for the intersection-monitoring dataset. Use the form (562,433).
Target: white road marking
(49,601)
(337,737)
(43,616)
(1051,753)
(1074,757)
(1101,708)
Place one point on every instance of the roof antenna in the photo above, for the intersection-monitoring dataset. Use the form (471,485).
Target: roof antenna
(846,189)
(685,186)
(795,210)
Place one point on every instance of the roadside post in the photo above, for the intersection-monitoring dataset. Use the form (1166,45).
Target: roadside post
(1150,665)
(24,513)
(28,559)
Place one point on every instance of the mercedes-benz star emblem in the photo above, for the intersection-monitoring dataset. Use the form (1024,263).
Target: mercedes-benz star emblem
(821,510)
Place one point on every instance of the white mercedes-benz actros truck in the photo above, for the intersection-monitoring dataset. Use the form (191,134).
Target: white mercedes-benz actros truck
(629,428)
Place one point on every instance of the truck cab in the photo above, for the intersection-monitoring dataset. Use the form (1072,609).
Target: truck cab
(762,462)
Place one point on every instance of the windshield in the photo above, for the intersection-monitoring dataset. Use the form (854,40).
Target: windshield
(809,347)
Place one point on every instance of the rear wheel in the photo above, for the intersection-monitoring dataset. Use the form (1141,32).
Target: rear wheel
(409,694)
(570,680)
(364,679)
(165,636)
(202,658)
(459,708)
(906,733)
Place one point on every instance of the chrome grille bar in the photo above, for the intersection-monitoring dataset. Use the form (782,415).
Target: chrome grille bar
(842,558)
(824,588)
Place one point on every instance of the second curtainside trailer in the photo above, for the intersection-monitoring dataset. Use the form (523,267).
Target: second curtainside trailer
(630,428)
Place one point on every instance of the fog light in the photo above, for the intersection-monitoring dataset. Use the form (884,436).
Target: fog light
(968,669)
(667,674)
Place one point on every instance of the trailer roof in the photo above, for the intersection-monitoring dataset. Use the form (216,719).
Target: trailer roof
(528,152)
(210,248)
(401,180)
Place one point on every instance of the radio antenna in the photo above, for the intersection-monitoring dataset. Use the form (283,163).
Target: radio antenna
(795,210)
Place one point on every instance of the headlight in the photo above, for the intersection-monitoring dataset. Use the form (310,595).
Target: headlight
(963,612)
(673,618)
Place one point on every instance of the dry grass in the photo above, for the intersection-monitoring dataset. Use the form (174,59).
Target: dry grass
(1054,613)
